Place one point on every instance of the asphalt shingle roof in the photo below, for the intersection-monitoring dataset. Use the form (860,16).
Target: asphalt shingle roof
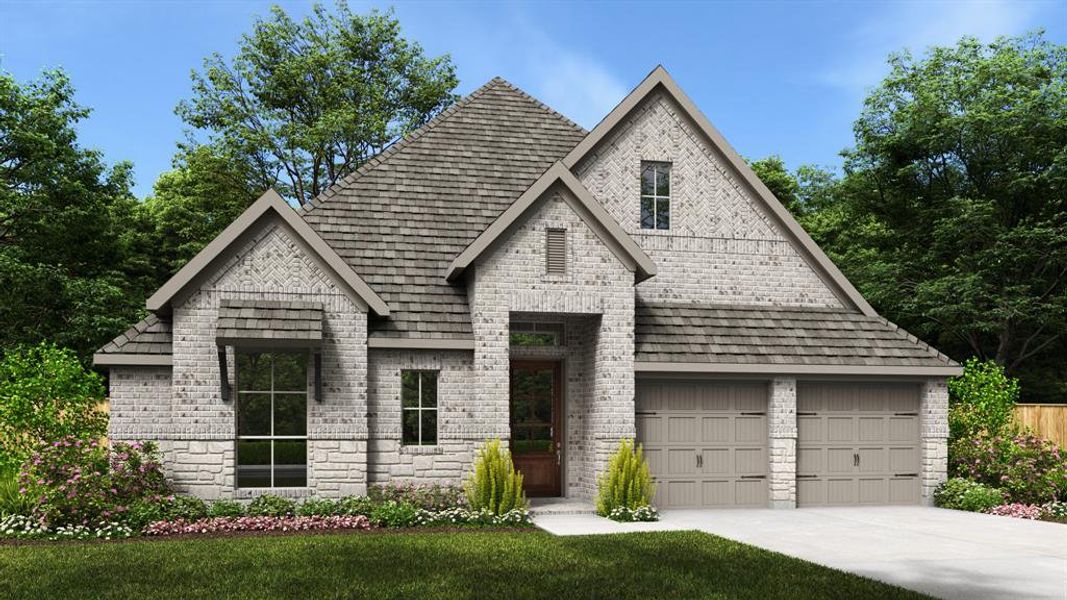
(150,336)
(402,218)
(775,335)
(269,320)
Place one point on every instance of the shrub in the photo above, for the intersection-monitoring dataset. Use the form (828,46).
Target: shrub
(165,508)
(464,517)
(269,505)
(317,507)
(226,508)
(963,494)
(257,523)
(981,401)
(46,395)
(355,505)
(627,483)
(433,497)
(71,481)
(394,514)
(626,515)
(1030,469)
(1017,510)
(493,483)
(21,527)
(12,501)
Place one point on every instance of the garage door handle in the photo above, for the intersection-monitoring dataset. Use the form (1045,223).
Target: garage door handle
(906,475)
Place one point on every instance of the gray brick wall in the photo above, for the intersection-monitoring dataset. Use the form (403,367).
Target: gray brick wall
(933,414)
(511,279)
(139,403)
(200,426)
(722,247)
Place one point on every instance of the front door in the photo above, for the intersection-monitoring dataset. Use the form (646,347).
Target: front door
(535,425)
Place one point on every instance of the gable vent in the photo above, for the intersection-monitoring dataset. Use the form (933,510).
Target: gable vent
(555,251)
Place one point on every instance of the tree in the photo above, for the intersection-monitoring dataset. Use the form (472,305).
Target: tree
(774,174)
(66,224)
(952,217)
(306,102)
(192,204)
(45,395)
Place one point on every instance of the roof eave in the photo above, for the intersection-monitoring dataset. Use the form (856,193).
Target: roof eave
(269,202)
(123,359)
(798,369)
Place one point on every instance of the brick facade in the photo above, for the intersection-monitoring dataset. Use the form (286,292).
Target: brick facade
(933,415)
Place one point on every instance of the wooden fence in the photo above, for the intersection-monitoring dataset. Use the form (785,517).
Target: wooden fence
(1047,420)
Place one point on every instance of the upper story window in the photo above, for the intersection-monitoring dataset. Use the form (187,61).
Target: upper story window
(418,399)
(655,195)
(272,409)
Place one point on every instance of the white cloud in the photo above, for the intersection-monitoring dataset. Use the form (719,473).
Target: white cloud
(916,26)
(570,82)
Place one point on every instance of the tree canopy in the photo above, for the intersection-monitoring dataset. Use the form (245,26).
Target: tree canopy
(306,102)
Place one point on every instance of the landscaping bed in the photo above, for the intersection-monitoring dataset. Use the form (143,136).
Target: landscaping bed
(454,565)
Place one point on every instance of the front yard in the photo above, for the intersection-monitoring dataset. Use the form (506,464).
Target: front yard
(477,564)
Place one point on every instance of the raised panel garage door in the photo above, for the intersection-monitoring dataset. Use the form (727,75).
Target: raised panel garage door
(706,442)
(857,443)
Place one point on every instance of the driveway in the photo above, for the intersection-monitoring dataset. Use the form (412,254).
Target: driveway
(944,553)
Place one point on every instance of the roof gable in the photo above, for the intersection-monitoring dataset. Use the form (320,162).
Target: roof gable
(269,205)
(660,81)
(588,209)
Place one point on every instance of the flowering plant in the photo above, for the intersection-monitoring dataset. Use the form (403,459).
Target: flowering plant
(1029,468)
(462,516)
(641,513)
(77,482)
(26,528)
(425,496)
(261,523)
(1018,510)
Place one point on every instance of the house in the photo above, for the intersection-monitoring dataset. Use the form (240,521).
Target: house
(502,272)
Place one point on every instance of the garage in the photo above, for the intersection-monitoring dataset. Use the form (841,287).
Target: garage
(706,442)
(857,443)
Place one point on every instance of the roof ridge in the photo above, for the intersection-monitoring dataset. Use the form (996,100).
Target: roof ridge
(408,138)
(400,143)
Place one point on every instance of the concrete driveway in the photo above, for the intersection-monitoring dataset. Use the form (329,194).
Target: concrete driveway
(944,553)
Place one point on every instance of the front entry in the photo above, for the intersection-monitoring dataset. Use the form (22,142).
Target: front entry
(536,432)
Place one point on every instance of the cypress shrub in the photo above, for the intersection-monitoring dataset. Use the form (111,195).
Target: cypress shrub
(493,483)
(627,483)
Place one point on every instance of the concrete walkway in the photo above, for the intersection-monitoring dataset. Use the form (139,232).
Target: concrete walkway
(944,553)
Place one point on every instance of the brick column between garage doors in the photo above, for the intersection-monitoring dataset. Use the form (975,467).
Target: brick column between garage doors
(782,443)
(933,414)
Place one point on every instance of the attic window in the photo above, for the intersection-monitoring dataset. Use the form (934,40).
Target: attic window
(655,195)
(556,251)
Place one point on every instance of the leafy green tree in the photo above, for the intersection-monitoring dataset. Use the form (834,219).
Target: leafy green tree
(45,395)
(193,203)
(774,174)
(952,216)
(66,224)
(306,102)
(981,401)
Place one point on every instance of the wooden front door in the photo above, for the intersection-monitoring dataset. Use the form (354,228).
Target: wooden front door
(536,432)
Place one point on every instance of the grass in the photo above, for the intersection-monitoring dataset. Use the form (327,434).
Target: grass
(511,565)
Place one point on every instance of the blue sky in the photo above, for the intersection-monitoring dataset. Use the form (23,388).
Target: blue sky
(783,78)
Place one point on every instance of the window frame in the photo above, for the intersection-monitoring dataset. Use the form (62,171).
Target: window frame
(271,437)
(420,408)
(655,197)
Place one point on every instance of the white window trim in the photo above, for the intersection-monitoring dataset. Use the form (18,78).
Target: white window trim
(271,437)
(419,409)
(654,197)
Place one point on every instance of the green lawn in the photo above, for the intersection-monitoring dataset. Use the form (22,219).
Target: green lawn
(474,564)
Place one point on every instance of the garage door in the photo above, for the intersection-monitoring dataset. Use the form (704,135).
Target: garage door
(706,442)
(857,443)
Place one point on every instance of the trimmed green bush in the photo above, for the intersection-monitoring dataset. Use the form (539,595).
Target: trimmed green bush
(226,508)
(493,483)
(627,483)
(981,401)
(163,508)
(269,505)
(963,494)
(394,514)
(355,505)
(317,507)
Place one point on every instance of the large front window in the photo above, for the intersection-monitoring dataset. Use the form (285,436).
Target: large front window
(272,407)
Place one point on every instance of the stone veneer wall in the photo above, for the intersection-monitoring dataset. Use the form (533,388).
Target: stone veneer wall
(196,427)
(722,246)
(512,279)
(933,415)
(782,442)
